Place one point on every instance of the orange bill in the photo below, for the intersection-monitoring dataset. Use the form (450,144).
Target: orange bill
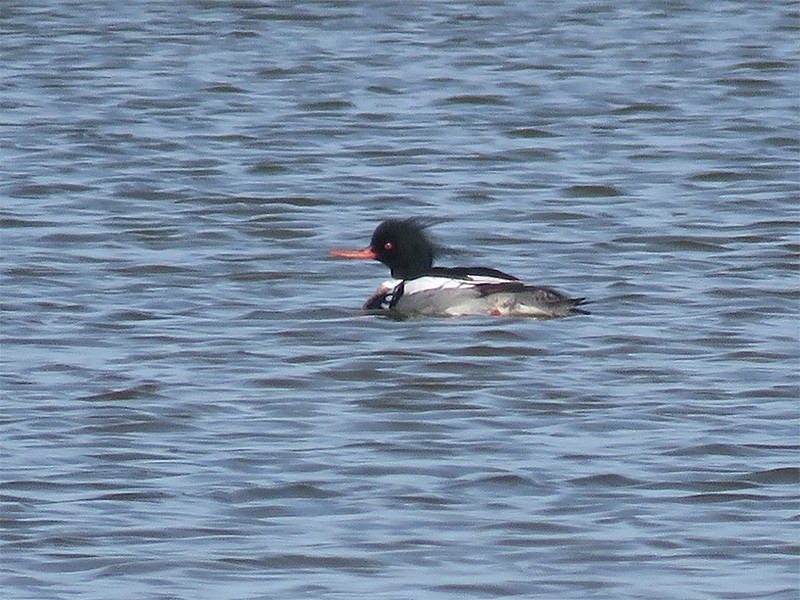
(365,253)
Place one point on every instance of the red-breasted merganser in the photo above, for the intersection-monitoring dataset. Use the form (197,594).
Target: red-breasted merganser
(419,288)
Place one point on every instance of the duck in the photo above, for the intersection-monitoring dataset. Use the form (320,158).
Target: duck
(418,288)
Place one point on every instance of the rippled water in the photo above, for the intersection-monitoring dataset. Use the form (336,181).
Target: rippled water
(193,405)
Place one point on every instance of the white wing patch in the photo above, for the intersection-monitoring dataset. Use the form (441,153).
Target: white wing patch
(431,283)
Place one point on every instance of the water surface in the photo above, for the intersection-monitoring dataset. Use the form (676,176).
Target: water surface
(193,404)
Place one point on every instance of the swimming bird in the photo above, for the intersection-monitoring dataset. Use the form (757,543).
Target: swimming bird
(417,288)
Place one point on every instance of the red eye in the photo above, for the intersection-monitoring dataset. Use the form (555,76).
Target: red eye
(388,246)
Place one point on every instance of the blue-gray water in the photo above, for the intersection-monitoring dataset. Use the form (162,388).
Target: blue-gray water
(193,405)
